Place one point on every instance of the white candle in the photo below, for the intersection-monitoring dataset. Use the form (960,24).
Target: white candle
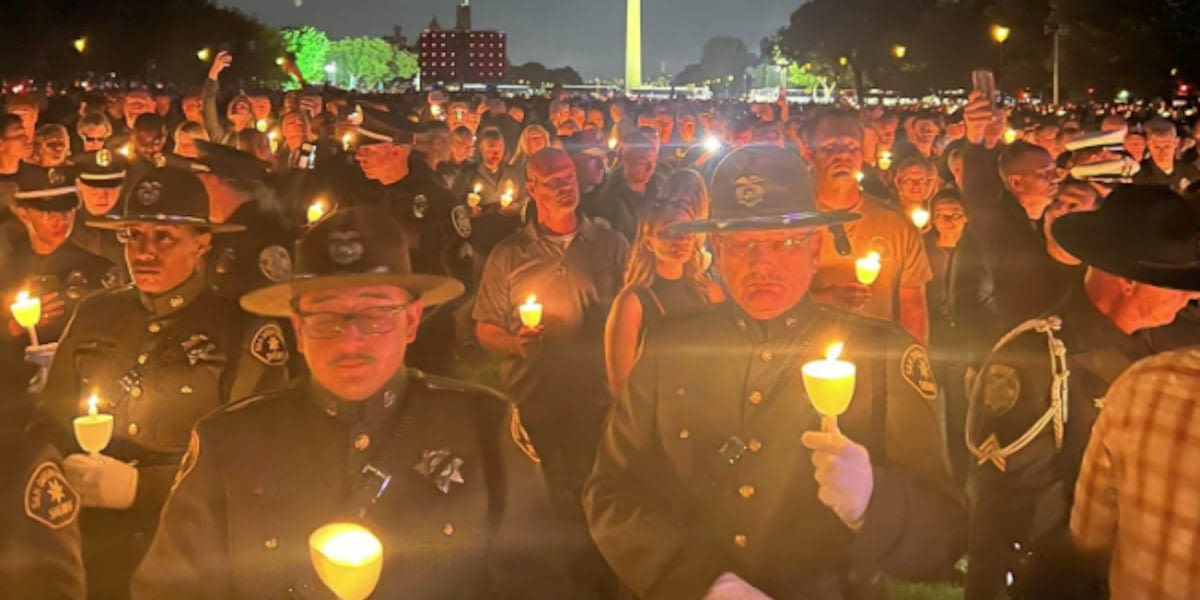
(507,198)
(531,312)
(830,383)
(94,430)
(348,559)
(27,310)
(885,160)
(473,199)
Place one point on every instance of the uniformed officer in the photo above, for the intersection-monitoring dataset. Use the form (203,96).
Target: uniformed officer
(711,466)
(99,176)
(1039,392)
(258,253)
(440,471)
(40,553)
(158,355)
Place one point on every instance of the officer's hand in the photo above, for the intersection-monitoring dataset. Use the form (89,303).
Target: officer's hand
(53,308)
(41,356)
(731,587)
(843,473)
(102,481)
(846,296)
(529,341)
(220,63)
(977,115)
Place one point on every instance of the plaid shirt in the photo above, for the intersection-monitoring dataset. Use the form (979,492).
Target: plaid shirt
(1138,495)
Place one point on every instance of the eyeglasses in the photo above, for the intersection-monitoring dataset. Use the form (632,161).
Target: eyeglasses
(779,246)
(949,217)
(95,140)
(376,320)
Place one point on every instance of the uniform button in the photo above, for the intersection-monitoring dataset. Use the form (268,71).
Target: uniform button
(133,429)
(754,445)
(154,327)
(739,540)
(142,358)
(746,491)
(271,543)
(741,325)
(755,397)
(766,355)
(448,529)
(187,389)
(684,434)
(136,392)
(257,491)
(389,398)
(175,301)
(331,410)
(362,441)
(681,392)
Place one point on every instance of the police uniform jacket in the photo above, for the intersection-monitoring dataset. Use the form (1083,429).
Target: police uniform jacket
(39,527)
(701,470)
(157,364)
(463,512)
(256,257)
(437,225)
(1027,496)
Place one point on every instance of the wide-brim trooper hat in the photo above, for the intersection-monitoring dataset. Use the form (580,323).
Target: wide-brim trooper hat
(353,247)
(1148,234)
(166,196)
(762,188)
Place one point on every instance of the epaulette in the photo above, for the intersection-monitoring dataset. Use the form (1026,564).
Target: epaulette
(237,405)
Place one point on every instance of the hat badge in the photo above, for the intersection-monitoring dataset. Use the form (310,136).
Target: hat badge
(103,158)
(345,247)
(420,206)
(55,177)
(148,192)
(160,160)
(748,190)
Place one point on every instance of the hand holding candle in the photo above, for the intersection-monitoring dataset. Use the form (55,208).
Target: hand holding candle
(830,385)
(94,430)
(347,558)
(867,268)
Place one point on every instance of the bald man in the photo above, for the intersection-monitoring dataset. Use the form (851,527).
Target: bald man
(555,371)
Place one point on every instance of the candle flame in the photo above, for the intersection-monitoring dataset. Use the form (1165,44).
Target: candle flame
(93,402)
(22,296)
(126,150)
(531,300)
(261,125)
(612,143)
(920,217)
(859,176)
(478,187)
(1010,135)
(873,257)
(834,351)
(316,211)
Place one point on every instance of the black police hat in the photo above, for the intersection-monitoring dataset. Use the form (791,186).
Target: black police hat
(45,189)
(377,126)
(352,247)
(167,196)
(100,169)
(762,188)
(1145,233)
(229,162)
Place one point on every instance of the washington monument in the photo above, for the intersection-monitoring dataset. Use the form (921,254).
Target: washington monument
(633,44)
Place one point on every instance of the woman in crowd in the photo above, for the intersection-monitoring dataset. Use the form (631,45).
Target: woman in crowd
(51,145)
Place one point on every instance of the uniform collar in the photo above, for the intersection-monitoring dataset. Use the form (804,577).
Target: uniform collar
(176,299)
(371,410)
(788,323)
(586,230)
(1095,331)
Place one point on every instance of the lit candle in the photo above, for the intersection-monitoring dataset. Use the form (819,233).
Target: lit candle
(1010,135)
(885,160)
(867,268)
(920,217)
(27,310)
(261,125)
(830,385)
(859,176)
(473,199)
(126,150)
(273,137)
(507,197)
(612,143)
(94,430)
(316,210)
(531,312)
(346,139)
(348,559)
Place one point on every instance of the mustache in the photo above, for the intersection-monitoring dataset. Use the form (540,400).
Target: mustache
(351,357)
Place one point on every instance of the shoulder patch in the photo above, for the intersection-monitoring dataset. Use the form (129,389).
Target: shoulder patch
(49,499)
(520,437)
(188,462)
(915,369)
(268,346)
(275,264)
(461,218)
(1001,388)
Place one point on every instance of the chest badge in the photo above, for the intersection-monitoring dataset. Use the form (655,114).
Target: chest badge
(440,468)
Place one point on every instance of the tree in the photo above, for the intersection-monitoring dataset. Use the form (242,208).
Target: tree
(310,47)
(403,64)
(724,56)
(363,61)
(536,74)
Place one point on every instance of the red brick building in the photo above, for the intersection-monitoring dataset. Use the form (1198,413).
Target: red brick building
(461,55)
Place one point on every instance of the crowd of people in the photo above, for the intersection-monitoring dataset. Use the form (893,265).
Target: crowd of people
(288,309)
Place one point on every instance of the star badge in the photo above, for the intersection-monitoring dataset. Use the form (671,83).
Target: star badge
(440,468)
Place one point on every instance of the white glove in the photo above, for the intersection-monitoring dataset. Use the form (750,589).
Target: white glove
(843,473)
(102,481)
(731,587)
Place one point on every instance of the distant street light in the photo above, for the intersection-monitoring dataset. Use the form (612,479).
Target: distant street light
(842,60)
(204,54)
(331,68)
(279,61)
(80,44)
(899,51)
(1000,33)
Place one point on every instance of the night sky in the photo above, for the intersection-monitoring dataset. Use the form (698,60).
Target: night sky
(586,34)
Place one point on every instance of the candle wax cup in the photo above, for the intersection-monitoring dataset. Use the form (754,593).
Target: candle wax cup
(93,432)
(531,315)
(830,385)
(347,558)
(867,270)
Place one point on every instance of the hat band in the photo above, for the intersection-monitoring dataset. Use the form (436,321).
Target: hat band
(160,217)
(39,194)
(379,137)
(102,176)
(380,270)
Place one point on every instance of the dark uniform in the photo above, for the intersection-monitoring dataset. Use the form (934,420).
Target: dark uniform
(100,169)
(39,527)
(463,508)
(701,470)
(250,259)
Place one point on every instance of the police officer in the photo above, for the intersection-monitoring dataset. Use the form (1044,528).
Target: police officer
(99,177)
(39,522)
(711,466)
(440,471)
(157,355)
(1039,392)
(257,254)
